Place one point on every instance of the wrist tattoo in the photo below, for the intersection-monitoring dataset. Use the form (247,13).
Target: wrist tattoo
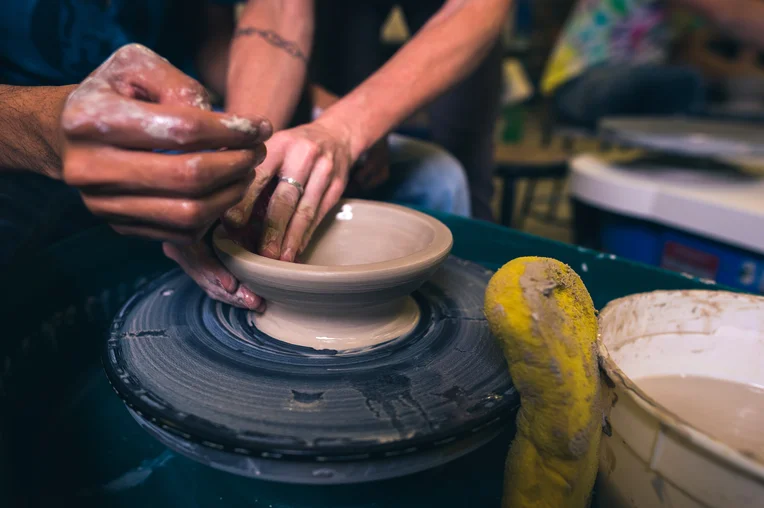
(273,39)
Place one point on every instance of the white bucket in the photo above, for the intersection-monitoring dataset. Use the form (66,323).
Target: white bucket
(654,459)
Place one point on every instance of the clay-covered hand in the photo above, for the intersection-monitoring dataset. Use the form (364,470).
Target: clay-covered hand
(317,157)
(200,263)
(373,167)
(134,104)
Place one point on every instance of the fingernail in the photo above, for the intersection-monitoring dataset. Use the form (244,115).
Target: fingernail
(288,255)
(251,301)
(233,217)
(229,283)
(270,251)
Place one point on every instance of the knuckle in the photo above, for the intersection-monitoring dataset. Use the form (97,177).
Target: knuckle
(327,160)
(188,130)
(306,213)
(194,94)
(286,200)
(73,119)
(190,215)
(309,148)
(192,175)
(134,50)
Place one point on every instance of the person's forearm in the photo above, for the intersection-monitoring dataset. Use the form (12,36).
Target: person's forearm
(29,128)
(740,19)
(443,52)
(269,57)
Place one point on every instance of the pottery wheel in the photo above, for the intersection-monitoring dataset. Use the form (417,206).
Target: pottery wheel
(203,379)
(693,137)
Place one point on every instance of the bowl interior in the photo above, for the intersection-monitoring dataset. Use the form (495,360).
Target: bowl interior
(697,355)
(687,333)
(363,233)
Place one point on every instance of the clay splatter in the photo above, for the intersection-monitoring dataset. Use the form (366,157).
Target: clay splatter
(135,477)
(306,397)
(457,395)
(236,123)
(384,392)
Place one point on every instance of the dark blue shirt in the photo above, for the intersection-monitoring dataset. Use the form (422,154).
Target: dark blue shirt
(59,42)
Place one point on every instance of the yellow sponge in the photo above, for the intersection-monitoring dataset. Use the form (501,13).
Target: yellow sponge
(541,312)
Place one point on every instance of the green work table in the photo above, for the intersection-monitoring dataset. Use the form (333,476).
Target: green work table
(64,434)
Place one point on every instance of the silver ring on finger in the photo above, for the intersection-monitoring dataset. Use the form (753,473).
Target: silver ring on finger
(294,183)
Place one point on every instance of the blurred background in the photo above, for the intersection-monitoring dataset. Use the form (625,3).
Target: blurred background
(683,198)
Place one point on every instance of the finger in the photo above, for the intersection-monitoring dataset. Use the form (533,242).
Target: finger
(263,186)
(200,263)
(307,208)
(138,72)
(103,169)
(330,200)
(199,257)
(164,212)
(298,164)
(129,123)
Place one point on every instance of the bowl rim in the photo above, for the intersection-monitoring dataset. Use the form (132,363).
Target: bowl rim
(752,466)
(434,253)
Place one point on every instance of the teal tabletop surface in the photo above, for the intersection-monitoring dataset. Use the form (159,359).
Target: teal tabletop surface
(66,436)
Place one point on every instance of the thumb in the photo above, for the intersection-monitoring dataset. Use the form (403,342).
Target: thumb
(253,207)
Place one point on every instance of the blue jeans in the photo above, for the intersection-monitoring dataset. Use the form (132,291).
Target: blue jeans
(36,211)
(628,90)
(424,175)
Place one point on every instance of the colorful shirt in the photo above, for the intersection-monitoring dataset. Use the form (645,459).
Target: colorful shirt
(608,31)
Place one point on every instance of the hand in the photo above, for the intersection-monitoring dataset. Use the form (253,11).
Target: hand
(136,103)
(315,155)
(201,264)
(373,167)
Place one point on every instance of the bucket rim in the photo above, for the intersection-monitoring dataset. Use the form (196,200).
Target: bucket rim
(751,465)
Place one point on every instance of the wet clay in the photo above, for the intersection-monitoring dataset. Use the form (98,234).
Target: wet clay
(730,412)
(351,287)
(333,331)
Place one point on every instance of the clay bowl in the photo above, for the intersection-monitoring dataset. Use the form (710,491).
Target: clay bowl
(351,288)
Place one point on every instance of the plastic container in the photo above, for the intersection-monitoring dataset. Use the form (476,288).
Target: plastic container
(703,223)
(653,458)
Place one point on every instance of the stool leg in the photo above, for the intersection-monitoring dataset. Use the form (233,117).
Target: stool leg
(568,143)
(586,225)
(525,208)
(554,199)
(507,201)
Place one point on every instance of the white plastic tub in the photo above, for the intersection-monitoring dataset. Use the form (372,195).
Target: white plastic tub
(654,459)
